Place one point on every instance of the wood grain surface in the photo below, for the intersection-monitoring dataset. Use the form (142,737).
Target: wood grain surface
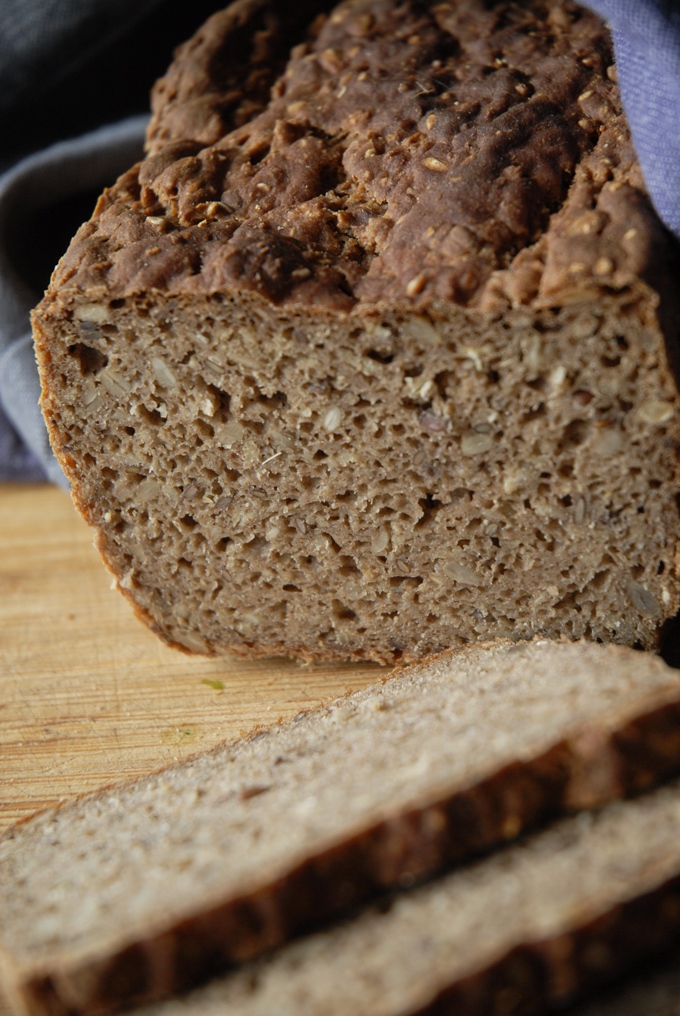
(88,696)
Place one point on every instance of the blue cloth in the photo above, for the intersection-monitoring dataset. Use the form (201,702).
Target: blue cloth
(647,46)
(70,167)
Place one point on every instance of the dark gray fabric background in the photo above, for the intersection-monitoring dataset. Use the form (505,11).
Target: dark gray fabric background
(69,66)
(42,41)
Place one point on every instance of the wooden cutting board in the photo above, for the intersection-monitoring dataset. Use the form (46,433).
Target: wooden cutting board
(88,696)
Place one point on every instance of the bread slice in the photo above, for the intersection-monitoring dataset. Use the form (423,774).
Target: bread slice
(521,932)
(381,361)
(146,889)
(652,991)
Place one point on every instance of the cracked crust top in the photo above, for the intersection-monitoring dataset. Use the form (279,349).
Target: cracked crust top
(464,151)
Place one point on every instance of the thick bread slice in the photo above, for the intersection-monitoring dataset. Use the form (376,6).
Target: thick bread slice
(381,361)
(146,889)
(652,991)
(521,932)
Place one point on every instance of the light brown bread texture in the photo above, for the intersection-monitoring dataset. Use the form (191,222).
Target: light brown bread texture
(147,889)
(524,931)
(374,354)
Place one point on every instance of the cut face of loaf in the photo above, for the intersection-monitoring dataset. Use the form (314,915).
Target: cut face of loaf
(525,931)
(381,366)
(270,481)
(147,889)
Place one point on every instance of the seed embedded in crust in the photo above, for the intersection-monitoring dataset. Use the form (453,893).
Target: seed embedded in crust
(95,313)
(163,373)
(416,285)
(608,441)
(435,424)
(476,444)
(604,266)
(461,573)
(642,599)
(436,165)
(655,411)
(380,542)
(113,383)
(332,419)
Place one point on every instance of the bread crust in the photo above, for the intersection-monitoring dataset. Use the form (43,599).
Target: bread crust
(462,195)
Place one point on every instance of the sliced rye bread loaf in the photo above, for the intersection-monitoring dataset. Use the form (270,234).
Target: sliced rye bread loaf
(521,932)
(382,361)
(146,889)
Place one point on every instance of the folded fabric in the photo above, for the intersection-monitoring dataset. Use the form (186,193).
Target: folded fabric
(647,47)
(92,161)
(42,41)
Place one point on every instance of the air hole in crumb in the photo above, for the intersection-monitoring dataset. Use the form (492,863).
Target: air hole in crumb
(116,304)
(660,568)
(566,469)
(91,360)
(129,430)
(610,361)
(428,506)
(290,588)
(534,414)
(576,432)
(320,455)
(654,484)
(151,416)
(189,521)
(341,612)
(222,398)
(566,501)
(374,354)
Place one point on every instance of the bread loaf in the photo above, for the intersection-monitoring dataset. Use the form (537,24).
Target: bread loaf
(146,889)
(374,354)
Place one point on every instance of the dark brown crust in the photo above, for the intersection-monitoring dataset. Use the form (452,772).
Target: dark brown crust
(596,767)
(235,58)
(546,975)
(404,155)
